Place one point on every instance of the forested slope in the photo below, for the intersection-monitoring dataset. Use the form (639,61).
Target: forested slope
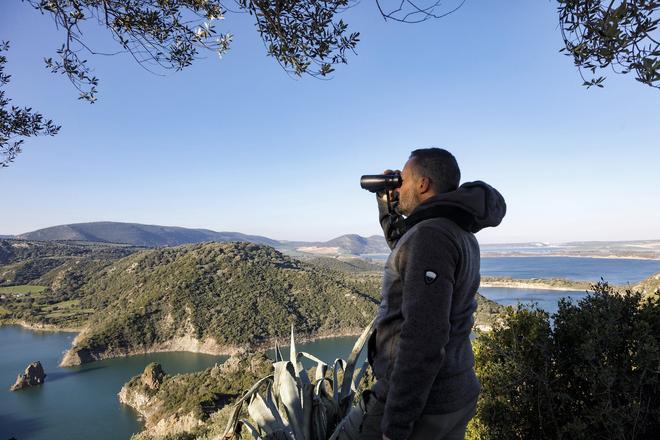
(214,297)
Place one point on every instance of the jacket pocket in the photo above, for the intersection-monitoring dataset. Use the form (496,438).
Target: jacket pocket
(391,353)
(373,410)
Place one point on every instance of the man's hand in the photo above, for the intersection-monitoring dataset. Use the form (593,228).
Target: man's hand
(383,194)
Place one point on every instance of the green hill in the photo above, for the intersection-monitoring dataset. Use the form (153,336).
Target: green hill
(650,286)
(345,264)
(28,261)
(213,297)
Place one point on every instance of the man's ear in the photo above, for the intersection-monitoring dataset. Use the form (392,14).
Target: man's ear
(424,185)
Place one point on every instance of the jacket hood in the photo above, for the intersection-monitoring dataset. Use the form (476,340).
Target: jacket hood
(473,206)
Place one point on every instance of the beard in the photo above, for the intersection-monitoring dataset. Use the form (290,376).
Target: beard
(408,203)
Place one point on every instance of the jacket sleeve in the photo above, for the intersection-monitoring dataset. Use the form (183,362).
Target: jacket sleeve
(389,222)
(427,267)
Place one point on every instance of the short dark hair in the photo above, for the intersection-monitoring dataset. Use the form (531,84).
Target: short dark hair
(440,166)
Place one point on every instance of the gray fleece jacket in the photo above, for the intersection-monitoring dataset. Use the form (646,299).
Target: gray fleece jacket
(420,351)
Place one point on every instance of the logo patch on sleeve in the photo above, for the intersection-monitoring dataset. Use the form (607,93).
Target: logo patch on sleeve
(430,276)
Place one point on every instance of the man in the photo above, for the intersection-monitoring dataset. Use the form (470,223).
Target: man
(420,351)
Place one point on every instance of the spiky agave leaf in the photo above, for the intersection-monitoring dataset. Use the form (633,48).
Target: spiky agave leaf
(325,413)
(346,392)
(277,369)
(293,354)
(359,375)
(289,393)
(232,424)
(278,353)
(305,388)
(265,413)
(321,367)
(338,364)
(310,397)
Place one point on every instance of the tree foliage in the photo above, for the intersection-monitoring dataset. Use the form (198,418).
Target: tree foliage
(303,36)
(620,34)
(17,123)
(593,373)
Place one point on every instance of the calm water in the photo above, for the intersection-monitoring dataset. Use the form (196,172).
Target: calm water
(547,300)
(325,349)
(573,268)
(74,403)
(614,271)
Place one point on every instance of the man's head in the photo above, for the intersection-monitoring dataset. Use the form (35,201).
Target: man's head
(428,172)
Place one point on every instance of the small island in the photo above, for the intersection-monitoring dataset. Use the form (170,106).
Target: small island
(33,375)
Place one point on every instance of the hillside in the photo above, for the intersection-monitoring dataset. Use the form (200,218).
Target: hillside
(213,298)
(650,286)
(349,244)
(27,261)
(345,264)
(138,235)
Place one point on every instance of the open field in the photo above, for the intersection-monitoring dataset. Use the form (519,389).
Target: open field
(24,289)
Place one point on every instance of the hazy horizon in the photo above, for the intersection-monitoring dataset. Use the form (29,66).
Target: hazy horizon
(324,239)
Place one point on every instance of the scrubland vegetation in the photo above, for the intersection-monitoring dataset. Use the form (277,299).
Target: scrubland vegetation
(589,372)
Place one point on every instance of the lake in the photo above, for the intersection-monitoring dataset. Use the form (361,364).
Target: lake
(614,271)
(547,300)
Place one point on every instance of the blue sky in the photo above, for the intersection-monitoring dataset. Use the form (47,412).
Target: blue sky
(237,145)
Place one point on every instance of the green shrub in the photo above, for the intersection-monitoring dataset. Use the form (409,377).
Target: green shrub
(592,373)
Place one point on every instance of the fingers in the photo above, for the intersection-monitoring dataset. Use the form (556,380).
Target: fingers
(388,171)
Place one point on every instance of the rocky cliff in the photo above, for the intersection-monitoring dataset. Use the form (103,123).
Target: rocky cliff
(196,403)
(33,375)
(141,393)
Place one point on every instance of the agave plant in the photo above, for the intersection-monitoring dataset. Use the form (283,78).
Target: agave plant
(288,405)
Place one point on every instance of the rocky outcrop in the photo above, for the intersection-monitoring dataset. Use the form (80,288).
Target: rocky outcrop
(153,376)
(140,391)
(34,375)
(187,403)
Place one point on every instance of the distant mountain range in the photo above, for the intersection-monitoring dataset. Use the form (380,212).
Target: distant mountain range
(136,234)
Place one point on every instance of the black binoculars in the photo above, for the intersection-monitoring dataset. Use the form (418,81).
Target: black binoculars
(380,182)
